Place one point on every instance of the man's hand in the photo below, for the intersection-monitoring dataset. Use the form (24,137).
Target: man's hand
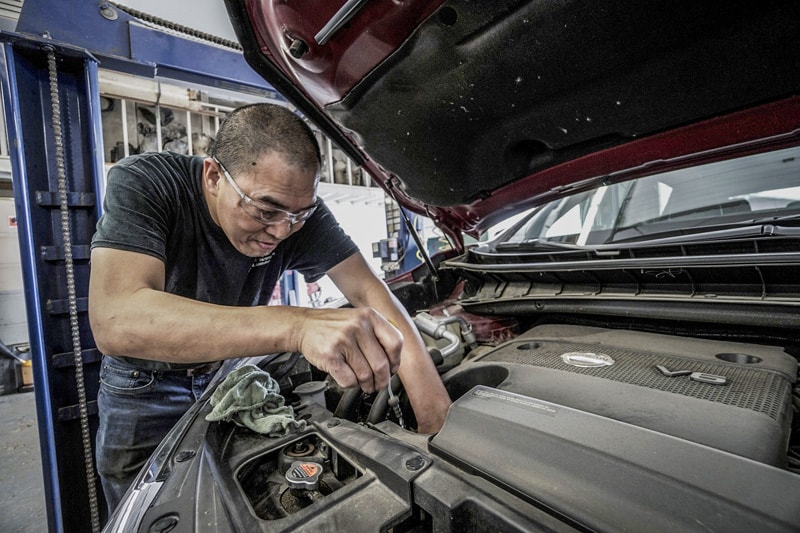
(355,346)
(421,381)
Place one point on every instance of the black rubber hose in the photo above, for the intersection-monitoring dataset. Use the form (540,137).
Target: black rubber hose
(436,355)
(381,404)
(287,366)
(346,408)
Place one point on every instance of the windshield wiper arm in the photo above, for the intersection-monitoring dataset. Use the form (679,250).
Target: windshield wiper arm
(540,244)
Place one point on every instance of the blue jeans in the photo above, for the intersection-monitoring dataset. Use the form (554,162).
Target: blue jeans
(137,408)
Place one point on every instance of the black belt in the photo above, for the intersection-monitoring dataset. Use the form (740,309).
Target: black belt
(161,367)
(197,370)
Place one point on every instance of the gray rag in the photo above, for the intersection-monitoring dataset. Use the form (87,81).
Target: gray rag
(251,398)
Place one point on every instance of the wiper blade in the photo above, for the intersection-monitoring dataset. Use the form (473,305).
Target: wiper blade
(751,228)
(784,218)
(755,228)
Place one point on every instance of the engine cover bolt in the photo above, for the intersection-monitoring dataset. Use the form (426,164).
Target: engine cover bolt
(415,463)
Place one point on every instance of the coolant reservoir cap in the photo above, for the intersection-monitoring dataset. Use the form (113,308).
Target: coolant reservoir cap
(304,475)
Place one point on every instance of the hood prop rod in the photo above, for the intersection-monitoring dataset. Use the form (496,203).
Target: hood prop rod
(414,235)
(339,19)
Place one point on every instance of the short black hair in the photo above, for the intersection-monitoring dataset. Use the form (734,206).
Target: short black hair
(256,129)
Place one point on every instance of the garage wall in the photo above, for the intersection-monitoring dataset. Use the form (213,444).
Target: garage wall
(13,320)
(361,213)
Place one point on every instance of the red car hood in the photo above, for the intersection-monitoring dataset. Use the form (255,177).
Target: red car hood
(472,111)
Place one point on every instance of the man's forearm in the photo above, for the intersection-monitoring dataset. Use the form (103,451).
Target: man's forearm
(151,324)
(425,389)
(357,347)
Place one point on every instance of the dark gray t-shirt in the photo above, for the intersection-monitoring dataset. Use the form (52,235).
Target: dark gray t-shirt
(154,205)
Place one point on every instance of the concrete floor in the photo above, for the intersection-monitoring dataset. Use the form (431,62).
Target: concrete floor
(22,505)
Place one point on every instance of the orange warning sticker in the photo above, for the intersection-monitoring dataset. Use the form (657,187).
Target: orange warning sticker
(309,469)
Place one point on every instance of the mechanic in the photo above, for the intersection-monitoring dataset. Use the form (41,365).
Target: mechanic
(184,261)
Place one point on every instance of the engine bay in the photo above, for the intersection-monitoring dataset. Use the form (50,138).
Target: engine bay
(556,424)
(559,426)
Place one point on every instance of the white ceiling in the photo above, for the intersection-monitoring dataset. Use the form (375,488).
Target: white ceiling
(209,16)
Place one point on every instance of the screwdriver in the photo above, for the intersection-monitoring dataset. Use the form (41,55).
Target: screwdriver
(394,401)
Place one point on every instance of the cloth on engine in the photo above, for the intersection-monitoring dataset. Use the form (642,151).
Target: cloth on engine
(251,398)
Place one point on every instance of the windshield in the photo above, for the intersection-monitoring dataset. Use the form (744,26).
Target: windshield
(728,192)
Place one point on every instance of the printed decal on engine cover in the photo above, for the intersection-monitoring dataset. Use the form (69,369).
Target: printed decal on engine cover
(702,377)
(587,359)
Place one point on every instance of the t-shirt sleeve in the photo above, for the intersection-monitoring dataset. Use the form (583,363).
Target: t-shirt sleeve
(135,213)
(325,245)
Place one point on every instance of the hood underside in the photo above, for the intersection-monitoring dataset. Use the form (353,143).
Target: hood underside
(451,103)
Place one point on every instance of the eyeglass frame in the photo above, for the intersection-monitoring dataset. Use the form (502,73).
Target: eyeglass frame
(292,218)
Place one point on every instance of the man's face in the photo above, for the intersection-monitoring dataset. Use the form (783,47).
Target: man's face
(271,188)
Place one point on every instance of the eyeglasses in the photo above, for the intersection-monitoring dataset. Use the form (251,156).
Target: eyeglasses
(263,212)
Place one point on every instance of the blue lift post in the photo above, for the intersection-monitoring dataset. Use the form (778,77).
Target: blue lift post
(69,40)
(26,94)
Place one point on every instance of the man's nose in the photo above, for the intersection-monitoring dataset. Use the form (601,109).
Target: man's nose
(281,230)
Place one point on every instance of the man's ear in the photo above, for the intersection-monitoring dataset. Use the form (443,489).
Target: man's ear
(211,176)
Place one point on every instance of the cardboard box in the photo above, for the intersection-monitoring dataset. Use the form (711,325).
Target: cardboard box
(27,373)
